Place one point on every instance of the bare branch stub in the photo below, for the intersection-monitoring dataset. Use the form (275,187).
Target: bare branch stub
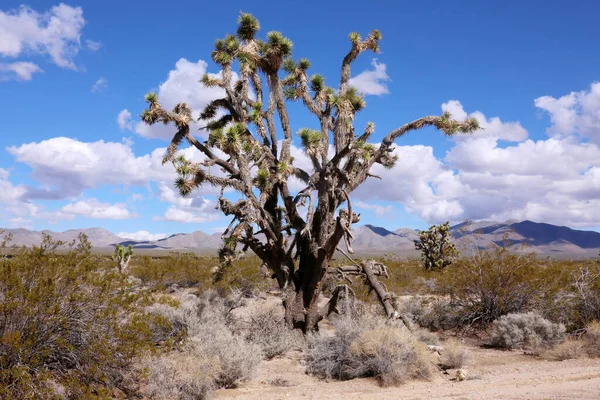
(248,152)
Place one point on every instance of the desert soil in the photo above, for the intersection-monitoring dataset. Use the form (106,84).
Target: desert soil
(491,374)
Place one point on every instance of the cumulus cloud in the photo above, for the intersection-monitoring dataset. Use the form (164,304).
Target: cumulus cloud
(101,85)
(372,82)
(124,120)
(190,214)
(574,113)
(92,208)
(490,127)
(142,236)
(20,71)
(182,85)
(379,210)
(55,33)
(66,166)
(419,181)
(554,180)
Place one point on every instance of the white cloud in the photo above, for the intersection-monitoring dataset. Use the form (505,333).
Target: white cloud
(55,33)
(65,167)
(100,86)
(372,82)
(92,208)
(142,236)
(182,85)
(574,113)
(193,215)
(379,210)
(21,71)
(555,180)
(492,127)
(93,45)
(8,192)
(124,120)
(419,181)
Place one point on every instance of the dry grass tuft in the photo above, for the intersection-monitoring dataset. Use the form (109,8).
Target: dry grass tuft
(567,350)
(369,347)
(454,355)
(592,336)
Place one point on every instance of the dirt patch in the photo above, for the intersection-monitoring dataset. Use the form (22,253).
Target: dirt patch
(492,374)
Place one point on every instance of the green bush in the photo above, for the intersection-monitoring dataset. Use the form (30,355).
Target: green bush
(492,283)
(66,319)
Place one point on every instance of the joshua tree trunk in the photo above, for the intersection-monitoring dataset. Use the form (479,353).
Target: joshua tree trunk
(245,154)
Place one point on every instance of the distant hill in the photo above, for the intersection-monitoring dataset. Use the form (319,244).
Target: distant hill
(537,237)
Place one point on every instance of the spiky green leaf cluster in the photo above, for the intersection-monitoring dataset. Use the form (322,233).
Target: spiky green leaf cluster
(365,150)
(355,99)
(225,50)
(317,83)
(304,64)
(262,180)
(186,174)
(209,80)
(354,37)
(289,66)
(290,93)
(311,140)
(277,41)
(248,26)
(450,126)
(151,98)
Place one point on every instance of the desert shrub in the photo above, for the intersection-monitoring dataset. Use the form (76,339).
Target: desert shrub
(515,331)
(567,350)
(438,315)
(368,347)
(490,284)
(184,375)
(266,328)
(224,356)
(592,336)
(191,270)
(64,318)
(182,269)
(454,355)
(586,295)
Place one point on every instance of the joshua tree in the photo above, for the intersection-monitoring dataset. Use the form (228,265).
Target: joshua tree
(437,250)
(123,256)
(246,153)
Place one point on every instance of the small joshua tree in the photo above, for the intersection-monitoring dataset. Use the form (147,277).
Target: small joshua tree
(437,250)
(246,153)
(123,256)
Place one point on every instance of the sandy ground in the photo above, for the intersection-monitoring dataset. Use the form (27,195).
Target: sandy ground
(492,374)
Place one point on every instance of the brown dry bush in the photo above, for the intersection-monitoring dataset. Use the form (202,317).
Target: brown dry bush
(66,318)
(212,357)
(454,355)
(266,328)
(369,347)
(592,337)
(567,350)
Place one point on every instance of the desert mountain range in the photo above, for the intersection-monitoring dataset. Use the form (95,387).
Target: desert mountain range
(537,237)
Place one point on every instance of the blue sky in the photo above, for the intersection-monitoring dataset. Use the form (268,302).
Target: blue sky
(529,68)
